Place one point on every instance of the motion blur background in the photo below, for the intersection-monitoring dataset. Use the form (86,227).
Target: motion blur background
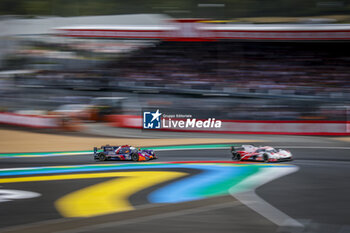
(45,72)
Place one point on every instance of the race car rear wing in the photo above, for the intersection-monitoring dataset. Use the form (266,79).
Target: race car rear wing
(236,148)
(104,147)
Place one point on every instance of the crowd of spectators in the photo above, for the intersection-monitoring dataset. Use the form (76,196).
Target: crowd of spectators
(314,69)
(318,72)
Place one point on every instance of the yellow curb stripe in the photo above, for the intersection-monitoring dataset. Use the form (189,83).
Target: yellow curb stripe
(107,197)
(110,196)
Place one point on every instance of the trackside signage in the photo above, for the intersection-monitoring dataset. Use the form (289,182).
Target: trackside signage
(158,120)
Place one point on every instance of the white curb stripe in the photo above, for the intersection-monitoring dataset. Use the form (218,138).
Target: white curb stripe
(253,201)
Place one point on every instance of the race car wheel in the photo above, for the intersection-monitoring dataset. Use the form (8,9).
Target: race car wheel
(101,156)
(135,157)
(236,156)
(266,158)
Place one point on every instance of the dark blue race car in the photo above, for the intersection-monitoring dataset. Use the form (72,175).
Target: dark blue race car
(125,152)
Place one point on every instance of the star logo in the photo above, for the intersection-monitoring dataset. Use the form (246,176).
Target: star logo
(156,115)
(152,120)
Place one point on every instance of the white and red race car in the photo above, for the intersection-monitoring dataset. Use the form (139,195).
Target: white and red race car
(260,154)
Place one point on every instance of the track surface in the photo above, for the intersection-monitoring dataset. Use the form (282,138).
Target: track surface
(318,195)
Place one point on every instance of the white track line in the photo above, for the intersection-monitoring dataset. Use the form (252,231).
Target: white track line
(176,149)
(256,203)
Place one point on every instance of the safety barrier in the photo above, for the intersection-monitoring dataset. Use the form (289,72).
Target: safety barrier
(247,126)
(33,121)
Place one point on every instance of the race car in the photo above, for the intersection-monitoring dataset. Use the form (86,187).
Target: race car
(125,152)
(260,154)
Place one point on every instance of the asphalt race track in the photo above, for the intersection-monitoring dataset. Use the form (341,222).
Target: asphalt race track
(314,198)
